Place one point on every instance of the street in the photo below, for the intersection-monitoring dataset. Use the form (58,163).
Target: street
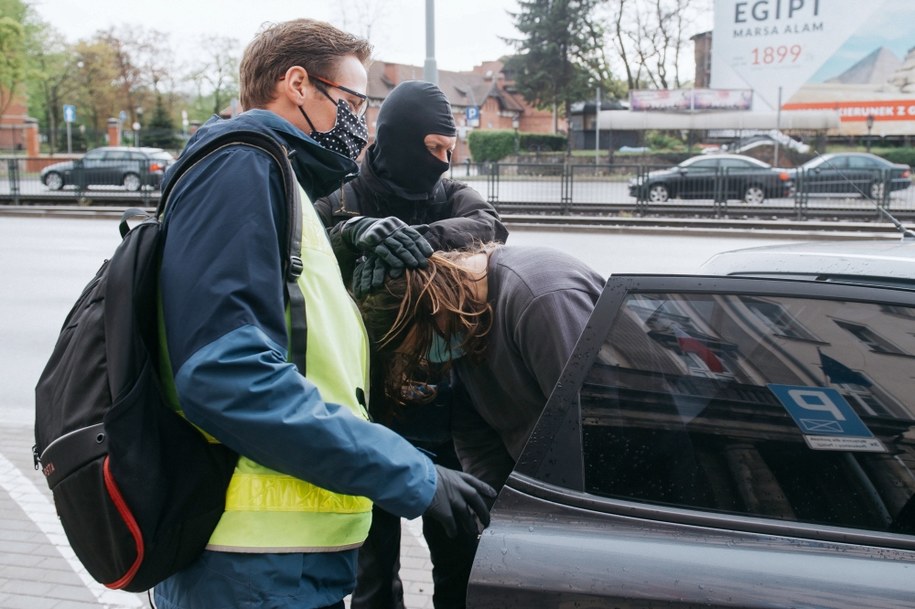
(46,262)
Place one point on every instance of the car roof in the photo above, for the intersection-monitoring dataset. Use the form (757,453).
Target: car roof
(741,157)
(871,261)
(834,155)
(146,149)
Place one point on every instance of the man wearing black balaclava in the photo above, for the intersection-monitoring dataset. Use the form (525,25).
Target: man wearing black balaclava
(400,187)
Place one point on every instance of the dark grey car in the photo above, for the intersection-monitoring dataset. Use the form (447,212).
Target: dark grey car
(132,168)
(718,442)
(856,173)
(714,176)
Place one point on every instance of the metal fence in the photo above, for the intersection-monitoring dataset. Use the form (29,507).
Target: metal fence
(563,189)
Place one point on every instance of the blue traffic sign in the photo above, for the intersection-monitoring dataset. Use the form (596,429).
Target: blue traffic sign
(472,113)
(69,113)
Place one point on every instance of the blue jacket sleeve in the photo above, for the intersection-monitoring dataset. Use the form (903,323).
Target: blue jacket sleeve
(222,296)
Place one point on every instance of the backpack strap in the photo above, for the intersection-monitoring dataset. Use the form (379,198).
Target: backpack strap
(292,261)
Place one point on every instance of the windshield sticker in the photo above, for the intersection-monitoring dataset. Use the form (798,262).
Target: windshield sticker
(826,419)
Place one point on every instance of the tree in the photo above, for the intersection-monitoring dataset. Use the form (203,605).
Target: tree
(95,69)
(216,80)
(12,61)
(161,129)
(50,82)
(560,56)
(142,60)
(650,38)
(13,55)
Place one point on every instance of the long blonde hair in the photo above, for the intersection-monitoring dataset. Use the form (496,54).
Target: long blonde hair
(439,299)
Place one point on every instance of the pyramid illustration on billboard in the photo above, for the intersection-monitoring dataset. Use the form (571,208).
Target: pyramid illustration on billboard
(879,67)
(774,46)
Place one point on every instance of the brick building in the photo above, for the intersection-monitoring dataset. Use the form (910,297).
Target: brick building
(486,88)
(14,123)
(486,91)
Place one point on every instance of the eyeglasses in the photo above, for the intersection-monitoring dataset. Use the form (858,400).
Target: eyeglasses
(357,108)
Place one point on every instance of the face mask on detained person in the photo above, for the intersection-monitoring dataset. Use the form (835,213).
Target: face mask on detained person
(348,136)
(441,352)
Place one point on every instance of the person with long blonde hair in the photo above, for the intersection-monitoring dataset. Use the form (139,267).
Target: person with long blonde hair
(504,318)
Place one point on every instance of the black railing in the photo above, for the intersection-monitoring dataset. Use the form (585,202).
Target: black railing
(561,189)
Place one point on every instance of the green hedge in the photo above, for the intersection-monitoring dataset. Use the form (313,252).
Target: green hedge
(491,145)
(898,155)
(496,144)
(542,142)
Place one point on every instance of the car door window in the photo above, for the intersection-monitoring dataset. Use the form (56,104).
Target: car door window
(703,166)
(860,162)
(737,164)
(113,156)
(697,401)
(834,163)
(753,402)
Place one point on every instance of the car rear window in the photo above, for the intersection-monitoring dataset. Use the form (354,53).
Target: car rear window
(784,407)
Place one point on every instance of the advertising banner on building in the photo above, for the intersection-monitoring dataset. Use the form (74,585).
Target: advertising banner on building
(857,58)
(681,100)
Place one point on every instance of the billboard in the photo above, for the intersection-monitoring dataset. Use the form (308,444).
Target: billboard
(857,58)
(683,100)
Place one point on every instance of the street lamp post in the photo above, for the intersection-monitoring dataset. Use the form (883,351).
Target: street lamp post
(597,106)
(870,126)
(137,125)
(516,123)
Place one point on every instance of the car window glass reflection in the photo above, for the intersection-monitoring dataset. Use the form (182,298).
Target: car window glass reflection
(778,407)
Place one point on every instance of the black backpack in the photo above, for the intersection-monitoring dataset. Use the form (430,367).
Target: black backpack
(138,489)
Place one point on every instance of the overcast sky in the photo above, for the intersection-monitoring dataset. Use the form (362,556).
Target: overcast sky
(467,31)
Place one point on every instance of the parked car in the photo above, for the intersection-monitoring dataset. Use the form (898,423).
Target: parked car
(887,262)
(131,168)
(857,173)
(718,176)
(722,441)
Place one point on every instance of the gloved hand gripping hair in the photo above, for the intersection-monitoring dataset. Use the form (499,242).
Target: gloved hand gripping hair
(389,244)
(459,501)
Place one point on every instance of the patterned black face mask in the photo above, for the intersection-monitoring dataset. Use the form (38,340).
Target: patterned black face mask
(348,136)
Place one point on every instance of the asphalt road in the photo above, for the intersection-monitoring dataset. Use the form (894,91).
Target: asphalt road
(46,262)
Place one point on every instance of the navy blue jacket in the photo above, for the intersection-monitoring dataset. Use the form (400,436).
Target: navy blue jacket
(223,304)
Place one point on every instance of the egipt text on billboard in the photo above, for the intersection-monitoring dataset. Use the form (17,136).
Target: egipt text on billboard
(854,57)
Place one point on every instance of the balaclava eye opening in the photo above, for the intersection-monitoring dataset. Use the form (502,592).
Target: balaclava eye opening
(413,110)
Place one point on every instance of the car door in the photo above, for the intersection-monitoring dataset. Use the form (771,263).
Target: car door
(737,174)
(861,173)
(698,179)
(117,163)
(91,168)
(828,177)
(717,442)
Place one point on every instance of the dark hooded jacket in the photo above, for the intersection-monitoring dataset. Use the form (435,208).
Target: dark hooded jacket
(399,177)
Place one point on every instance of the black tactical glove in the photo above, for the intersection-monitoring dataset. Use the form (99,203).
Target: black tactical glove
(396,243)
(458,498)
(370,273)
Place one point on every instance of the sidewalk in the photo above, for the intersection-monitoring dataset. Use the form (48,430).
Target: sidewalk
(38,570)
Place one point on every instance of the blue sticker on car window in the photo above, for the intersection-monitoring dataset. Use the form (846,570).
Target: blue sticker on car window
(826,419)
